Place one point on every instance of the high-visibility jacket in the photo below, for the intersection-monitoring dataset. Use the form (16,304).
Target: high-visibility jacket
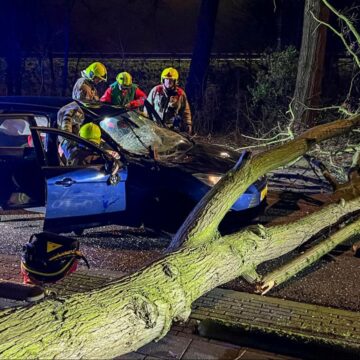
(84,90)
(170,105)
(133,96)
(70,117)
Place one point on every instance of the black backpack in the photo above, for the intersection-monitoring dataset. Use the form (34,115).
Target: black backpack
(48,257)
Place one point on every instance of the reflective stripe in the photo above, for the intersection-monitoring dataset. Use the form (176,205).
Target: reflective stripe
(23,266)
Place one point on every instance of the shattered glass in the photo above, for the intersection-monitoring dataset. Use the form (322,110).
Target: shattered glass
(136,134)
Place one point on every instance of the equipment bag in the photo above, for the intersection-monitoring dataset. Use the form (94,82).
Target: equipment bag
(49,257)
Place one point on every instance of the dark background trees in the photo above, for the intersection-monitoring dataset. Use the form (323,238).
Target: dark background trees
(45,44)
(152,26)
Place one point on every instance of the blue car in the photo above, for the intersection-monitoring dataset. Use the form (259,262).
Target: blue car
(162,173)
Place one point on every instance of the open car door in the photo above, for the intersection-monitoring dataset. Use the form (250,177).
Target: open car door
(78,196)
(21,179)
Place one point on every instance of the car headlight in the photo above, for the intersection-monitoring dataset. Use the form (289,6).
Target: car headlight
(225,154)
(209,179)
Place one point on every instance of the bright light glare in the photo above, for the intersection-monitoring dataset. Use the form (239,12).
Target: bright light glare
(213,179)
(224,154)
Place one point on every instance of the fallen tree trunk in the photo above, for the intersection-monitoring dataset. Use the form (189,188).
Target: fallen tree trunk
(202,224)
(131,312)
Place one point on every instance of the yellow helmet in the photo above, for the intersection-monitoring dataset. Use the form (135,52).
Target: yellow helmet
(124,79)
(91,132)
(96,69)
(170,73)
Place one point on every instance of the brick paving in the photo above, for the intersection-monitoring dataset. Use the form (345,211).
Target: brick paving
(218,311)
(312,324)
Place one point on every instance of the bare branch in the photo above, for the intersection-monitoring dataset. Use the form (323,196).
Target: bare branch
(345,19)
(338,33)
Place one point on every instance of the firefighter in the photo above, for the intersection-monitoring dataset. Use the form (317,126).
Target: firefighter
(81,155)
(84,88)
(170,102)
(70,117)
(124,92)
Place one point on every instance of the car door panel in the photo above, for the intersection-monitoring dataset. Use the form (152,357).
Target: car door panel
(82,192)
(78,196)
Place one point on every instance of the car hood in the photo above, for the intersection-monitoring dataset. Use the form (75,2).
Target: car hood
(208,158)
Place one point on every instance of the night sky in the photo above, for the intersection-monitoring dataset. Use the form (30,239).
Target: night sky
(152,26)
(123,26)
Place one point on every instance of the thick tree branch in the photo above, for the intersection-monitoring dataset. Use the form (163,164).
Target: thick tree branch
(131,312)
(212,208)
(285,272)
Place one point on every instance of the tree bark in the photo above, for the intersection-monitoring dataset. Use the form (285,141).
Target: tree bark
(139,308)
(203,222)
(292,268)
(311,64)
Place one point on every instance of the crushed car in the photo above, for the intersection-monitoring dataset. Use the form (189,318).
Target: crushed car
(161,176)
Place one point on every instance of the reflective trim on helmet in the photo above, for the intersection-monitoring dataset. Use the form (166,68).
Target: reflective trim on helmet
(31,271)
(66,253)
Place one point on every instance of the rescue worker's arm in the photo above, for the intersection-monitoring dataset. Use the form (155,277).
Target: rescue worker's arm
(150,99)
(70,118)
(140,97)
(107,96)
(89,93)
(67,121)
(186,114)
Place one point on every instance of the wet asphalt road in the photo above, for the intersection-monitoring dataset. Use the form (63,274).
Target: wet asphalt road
(108,247)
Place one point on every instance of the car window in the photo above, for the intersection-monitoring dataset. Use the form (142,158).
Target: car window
(15,132)
(136,133)
(41,121)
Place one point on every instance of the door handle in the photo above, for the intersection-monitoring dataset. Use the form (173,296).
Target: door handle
(65,182)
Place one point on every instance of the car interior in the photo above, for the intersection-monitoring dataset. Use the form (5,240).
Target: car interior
(18,160)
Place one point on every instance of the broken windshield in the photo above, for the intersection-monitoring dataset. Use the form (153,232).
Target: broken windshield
(136,133)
